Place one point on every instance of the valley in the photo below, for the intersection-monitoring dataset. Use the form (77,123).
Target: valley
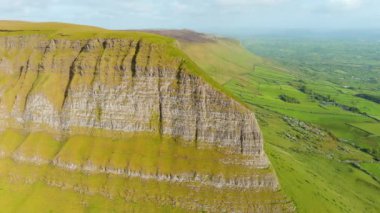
(316,152)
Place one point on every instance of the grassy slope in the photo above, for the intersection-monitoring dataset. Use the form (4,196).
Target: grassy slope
(370,128)
(313,174)
(221,64)
(311,170)
(146,153)
(71,31)
(24,188)
(27,185)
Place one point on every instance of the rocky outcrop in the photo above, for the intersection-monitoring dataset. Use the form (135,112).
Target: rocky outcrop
(118,84)
(258,182)
(70,99)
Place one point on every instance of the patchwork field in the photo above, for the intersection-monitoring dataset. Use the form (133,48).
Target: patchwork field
(308,141)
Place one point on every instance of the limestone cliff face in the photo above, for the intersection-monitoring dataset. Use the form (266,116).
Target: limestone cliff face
(117,84)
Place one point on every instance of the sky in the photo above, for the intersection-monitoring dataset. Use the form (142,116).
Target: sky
(217,16)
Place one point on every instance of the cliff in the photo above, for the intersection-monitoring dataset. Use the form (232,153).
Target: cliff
(118,84)
(130,105)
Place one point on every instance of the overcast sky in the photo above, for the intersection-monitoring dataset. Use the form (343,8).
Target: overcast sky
(203,15)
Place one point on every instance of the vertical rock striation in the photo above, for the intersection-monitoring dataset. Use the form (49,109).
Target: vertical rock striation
(118,84)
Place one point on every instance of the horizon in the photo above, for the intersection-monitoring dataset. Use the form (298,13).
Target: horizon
(214,16)
(288,32)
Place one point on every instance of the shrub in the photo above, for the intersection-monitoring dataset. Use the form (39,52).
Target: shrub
(288,99)
(369,97)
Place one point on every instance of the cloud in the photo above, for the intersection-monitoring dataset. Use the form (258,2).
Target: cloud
(244,3)
(12,4)
(197,14)
(345,4)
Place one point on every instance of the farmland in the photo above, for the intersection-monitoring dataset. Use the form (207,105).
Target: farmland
(311,143)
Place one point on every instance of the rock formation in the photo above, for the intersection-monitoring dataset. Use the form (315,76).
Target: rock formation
(58,85)
(123,85)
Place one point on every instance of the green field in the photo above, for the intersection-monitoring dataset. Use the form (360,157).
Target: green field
(309,143)
(372,168)
(339,69)
(371,128)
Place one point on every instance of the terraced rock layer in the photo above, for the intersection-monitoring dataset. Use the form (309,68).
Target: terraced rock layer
(121,85)
(99,112)
(138,168)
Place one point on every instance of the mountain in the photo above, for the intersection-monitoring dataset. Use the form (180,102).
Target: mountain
(313,135)
(115,120)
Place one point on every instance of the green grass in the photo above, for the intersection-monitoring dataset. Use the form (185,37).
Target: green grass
(312,168)
(45,187)
(371,128)
(263,87)
(39,145)
(221,59)
(373,169)
(313,174)
(146,153)
(77,192)
(72,31)
(339,69)
(10,140)
(19,196)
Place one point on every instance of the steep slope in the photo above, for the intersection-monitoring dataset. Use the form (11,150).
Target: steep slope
(117,84)
(128,107)
(317,171)
(223,59)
